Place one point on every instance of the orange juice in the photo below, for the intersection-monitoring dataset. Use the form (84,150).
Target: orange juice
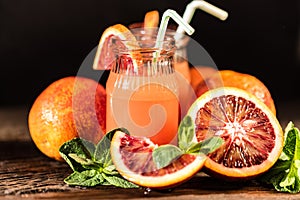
(185,91)
(142,90)
(150,110)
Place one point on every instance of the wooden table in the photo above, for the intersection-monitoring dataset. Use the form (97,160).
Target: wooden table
(26,173)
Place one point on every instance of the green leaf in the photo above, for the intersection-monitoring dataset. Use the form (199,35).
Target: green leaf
(287,181)
(165,154)
(102,152)
(86,178)
(82,148)
(276,173)
(283,156)
(207,146)
(290,182)
(186,132)
(81,160)
(86,163)
(289,127)
(110,170)
(119,181)
(284,175)
(92,165)
(290,143)
(297,164)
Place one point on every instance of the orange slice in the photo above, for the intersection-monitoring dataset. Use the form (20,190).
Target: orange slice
(105,55)
(151,19)
(132,157)
(252,134)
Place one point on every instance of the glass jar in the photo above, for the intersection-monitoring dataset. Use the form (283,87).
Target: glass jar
(183,75)
(186,93)
(142,92)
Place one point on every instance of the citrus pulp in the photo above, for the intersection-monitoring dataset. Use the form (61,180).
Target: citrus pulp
(252,134)
(132,157)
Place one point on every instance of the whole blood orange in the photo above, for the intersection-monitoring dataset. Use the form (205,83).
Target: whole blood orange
(132,157)
(240,80)
(69,107)
(199,74)
(252,134)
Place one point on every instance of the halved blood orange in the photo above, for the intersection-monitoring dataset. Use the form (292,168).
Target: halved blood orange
(132,157)
(105,55)
(252,134)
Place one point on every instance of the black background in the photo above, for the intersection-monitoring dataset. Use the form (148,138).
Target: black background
(44,40)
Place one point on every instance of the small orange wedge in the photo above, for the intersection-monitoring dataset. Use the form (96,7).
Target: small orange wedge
(151,19)
(132,157)
(105,55)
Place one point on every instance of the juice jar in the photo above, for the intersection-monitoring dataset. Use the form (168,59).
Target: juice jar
(181,65)
(186,93)
(142,93)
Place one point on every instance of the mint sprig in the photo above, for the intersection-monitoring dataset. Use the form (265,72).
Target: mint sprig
(284,175)
(92,164)
(166,154)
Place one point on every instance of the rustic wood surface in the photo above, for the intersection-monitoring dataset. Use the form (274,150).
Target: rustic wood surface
(26,173)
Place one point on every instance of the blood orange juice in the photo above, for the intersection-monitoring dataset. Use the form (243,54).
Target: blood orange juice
(150,109)
(185,91)
(142,93)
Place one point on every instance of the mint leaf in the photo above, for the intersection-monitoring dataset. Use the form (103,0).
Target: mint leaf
(165,154)
(82,148)
(110,170)
(81,160)
(187,144)
(207,146)
(119,181)
(284,175)
(276,173)
(290,140)
(86,178)
(92,165)
(86,163)
(186,132)
(102,152)
(288,180)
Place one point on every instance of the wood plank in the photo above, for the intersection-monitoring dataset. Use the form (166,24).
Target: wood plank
(26,172)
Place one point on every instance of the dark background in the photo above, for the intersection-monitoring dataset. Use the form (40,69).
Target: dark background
(44,40)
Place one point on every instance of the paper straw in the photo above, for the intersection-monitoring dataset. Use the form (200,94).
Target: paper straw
(203,5)
(164,24)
